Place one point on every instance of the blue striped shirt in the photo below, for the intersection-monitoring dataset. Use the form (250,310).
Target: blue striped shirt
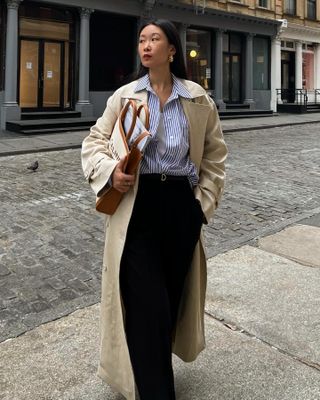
(174,158)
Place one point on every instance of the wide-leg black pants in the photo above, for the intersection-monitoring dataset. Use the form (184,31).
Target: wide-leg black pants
(162,234)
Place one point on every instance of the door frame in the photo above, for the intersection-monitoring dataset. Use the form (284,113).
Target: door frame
(41,47)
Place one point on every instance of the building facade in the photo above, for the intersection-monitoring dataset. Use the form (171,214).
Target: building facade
(71,55)
(294,67)
(298,51)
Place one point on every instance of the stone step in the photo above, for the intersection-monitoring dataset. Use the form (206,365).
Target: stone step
(244,113)
(50,125)
(49,115)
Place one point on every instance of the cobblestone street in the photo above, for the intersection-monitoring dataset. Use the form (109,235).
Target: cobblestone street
(51,238)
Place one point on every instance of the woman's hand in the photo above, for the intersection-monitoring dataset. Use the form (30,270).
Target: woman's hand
(121,181)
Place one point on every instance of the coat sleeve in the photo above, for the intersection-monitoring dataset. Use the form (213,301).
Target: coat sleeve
(96,159)
(212,167)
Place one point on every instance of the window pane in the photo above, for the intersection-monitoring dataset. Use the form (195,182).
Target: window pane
(226,77)
(311,9)
(44,29)
(66,100)
(236,78)
(199,57)
(51,74)
(29,73)
(308,71)
(260,63)
(290,7)
(263,3)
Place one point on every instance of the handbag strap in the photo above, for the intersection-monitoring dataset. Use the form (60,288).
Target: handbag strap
(135,113)
(145,108)
(124,111)
(139,138)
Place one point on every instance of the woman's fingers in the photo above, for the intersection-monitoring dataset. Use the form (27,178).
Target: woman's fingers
(121,181)
(125,184)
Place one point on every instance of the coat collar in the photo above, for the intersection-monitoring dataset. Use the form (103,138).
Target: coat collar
(178,89)
(185,89)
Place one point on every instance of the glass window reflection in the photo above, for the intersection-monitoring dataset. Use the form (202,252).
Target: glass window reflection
(199,57)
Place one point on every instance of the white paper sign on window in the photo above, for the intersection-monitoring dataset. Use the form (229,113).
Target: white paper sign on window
(49,74)
(29,65)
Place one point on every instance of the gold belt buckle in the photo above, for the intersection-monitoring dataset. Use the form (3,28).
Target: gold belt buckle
(163,177)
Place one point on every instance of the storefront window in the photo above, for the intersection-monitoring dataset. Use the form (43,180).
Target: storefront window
(260,63)
(199,57)
(308,70)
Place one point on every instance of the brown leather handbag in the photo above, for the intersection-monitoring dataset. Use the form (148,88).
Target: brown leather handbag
(128,139)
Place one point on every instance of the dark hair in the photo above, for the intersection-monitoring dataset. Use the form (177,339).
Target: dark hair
(178,66)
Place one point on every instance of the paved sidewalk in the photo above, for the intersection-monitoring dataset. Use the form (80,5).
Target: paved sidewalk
(262,328)
(14,143)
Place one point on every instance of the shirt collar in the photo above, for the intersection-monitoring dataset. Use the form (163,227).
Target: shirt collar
(178,89)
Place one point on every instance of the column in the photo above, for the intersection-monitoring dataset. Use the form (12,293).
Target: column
(145,15)
(298,60)
(146,12)
(83,105)
(275,72)
(10,109)
(317,68)
(249,72)
(183,38)
(218,77)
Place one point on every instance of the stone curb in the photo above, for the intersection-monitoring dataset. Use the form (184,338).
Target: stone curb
(39,150)
(253,128)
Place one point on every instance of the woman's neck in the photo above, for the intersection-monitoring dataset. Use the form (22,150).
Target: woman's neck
(160,80)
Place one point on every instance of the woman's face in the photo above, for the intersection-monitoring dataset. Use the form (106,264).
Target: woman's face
(154,48)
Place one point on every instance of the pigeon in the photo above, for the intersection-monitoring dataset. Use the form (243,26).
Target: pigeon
(34,166)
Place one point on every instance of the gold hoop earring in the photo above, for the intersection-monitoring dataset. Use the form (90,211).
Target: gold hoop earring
(170,58)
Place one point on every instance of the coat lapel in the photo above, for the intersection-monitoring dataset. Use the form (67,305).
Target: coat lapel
(197,116)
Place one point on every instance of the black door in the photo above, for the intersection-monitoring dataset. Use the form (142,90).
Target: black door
(288,76)
(232,77)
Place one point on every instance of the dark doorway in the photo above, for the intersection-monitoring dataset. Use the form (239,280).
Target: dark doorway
(232,71)
(113,44)
(231,78)
(288,76)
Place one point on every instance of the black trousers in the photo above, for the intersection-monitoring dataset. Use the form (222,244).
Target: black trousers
(162,234)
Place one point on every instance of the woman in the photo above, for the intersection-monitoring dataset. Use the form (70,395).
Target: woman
(154,274)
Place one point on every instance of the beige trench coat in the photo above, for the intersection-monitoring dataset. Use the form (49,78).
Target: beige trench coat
(208,152)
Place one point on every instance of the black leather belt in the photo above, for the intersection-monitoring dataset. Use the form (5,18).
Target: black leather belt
(163,177)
